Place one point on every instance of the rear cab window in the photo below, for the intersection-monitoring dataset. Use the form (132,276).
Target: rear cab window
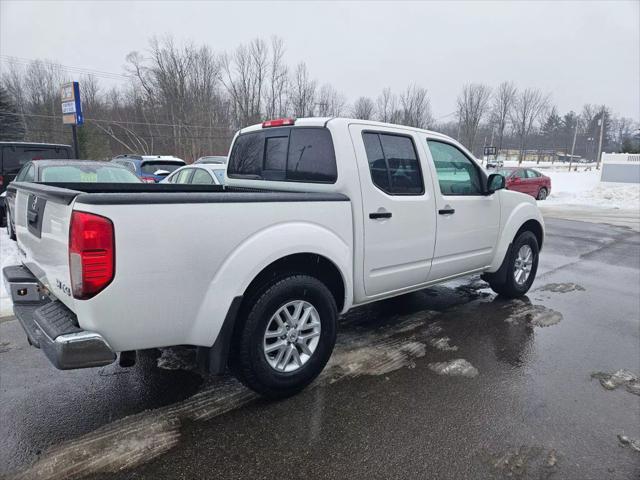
(289,154)
(152,166)
(15,156)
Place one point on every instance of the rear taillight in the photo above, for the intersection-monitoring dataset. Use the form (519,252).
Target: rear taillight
(91,254)
(148,179)
(279,122)
(1,180)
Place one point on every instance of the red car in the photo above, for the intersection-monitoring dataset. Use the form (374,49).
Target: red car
(526,180)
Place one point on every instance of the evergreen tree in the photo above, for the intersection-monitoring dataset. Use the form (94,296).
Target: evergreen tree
(11,123)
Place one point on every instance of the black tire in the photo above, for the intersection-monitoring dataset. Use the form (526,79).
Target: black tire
(509,287)
(10,228)
(248,360)
(542,194)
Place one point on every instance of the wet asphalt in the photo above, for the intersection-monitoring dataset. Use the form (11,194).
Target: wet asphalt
(519,402)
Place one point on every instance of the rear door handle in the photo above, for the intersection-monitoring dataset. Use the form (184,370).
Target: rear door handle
(377,215)
(447,211)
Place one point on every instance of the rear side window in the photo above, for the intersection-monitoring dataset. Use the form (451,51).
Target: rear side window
(287,154)
(393,163)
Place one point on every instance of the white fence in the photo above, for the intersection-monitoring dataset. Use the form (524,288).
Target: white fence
(620,167)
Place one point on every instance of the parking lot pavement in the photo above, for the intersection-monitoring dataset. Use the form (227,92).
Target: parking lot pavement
(449,382)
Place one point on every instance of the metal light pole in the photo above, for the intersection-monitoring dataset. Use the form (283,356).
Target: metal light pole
(573,145)
(600,141)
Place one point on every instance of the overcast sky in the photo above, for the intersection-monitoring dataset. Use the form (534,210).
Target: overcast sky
(580,52)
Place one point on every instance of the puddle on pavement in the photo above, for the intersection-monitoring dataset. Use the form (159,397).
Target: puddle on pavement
(611,381)
(536,315)
(139,438)
(561,287)
(525,462)
(371,342)
(455,368)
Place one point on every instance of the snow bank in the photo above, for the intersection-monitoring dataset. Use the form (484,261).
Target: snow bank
(8,256)
(583,188)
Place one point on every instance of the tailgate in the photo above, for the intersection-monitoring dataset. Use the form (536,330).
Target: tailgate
(42,215)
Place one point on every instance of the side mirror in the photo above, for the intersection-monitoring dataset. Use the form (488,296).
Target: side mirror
(495,182)
(161,172)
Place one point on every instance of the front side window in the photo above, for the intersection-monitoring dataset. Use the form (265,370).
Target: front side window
(457,174)
(393,163)
(303,154)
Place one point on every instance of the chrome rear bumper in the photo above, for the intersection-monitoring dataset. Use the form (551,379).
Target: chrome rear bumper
(51,326)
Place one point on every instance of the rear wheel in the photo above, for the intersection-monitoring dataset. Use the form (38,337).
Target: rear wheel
(542,194)
(287,337)
(521,267)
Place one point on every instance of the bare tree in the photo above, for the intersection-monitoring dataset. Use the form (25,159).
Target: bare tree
(622,128)
(244,75)
(303,92)
(472,105)
(529,107)
(276,98)
(416,109)
(363,108)
(331,103)
(503,100)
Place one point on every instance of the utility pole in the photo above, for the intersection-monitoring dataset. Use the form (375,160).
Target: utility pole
(573,145)
(600,141)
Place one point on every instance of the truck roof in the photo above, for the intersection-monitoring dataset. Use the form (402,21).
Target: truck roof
(40,144)
(323,121)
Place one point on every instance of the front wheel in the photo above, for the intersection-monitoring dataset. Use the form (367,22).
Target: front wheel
(521,267)
(287,337)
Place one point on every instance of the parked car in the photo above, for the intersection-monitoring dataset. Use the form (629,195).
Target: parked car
(13,155)
(527,180)
(65,171)
(150,168)
(318,216)
(198,174)
(495,163)
(214,159)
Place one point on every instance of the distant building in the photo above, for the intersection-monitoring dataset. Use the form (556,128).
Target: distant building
(620,167)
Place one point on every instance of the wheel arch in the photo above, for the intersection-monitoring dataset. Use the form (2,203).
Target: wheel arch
(524,216)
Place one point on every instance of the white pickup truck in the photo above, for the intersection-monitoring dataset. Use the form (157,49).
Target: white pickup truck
(318,216)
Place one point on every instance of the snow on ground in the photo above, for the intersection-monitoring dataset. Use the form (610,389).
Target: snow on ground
(8,256)
(583,188)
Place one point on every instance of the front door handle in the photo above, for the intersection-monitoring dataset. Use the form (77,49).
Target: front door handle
(447,211)
(377,215)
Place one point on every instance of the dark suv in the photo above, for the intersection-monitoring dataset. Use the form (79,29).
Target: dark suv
(13,155)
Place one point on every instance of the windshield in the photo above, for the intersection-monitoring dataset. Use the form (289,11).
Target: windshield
(504,172)
(87,174)
(149,168)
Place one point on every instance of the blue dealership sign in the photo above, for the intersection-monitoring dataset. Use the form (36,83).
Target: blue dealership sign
(71,104)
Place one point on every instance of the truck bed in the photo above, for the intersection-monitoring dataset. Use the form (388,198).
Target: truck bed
(182,252)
